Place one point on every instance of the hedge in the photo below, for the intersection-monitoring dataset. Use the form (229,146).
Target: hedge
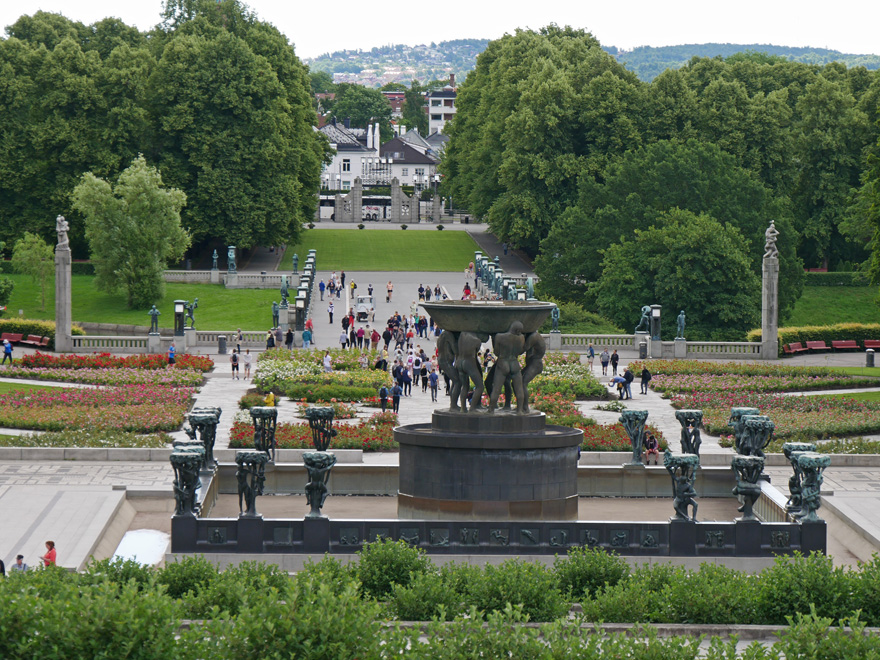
(76,268)
(34,327)
(851,278)
(826,333)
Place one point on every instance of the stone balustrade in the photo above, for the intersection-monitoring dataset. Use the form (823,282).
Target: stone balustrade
(92,343)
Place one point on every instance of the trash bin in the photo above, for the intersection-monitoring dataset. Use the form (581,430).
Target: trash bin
(643,350)
(221,345)
(869,357)
(467,219)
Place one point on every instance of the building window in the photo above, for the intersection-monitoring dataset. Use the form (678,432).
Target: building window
(346,165)
(419,171)
(404,171)
(436,117)
(435,103)
(346,185)
(448,103)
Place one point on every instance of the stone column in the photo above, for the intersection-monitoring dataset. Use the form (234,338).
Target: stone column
(435,209)
(63,338)
(770,309)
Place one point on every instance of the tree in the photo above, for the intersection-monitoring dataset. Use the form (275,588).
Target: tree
(363,106)
(133,229)
(683,261)
(321,82)
(412,114)
(6,285)
(32,256)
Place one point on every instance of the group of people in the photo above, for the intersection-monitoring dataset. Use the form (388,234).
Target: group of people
(334,285)
(48,559)
(425,293)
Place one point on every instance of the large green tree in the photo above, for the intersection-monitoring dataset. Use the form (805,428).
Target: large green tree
(682,261)
(667,175)
(32,256)
(363,106)
(133,229)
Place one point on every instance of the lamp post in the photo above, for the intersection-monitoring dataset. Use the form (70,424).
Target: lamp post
(300,311)
(179,312)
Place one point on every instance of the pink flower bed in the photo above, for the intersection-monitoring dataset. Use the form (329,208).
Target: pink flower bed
(109,376)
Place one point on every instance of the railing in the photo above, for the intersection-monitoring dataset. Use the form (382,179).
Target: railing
(187,275)
(209,338)
(249,281)
(88,343)
(770,507)
(730,349)
(574,342)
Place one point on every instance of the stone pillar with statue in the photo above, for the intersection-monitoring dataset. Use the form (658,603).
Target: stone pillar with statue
(63,313)
(770,296)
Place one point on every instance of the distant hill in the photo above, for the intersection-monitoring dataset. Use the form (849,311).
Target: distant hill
(401,63)
(647,62)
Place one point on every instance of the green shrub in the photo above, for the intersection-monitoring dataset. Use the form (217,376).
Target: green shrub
(34,327)
(852,278)
(312,392)
(187,574)
(516,582)
(812,636)
(798,584)
(440,227)
(91,437)
(867,590)
(250,400)
(427,596)
(328,570)
(385,563)
(575,319)
(584,571)
(361,226)
(403,226)
(119,571)
(712,595)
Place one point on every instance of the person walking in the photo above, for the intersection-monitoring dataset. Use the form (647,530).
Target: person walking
(330,311)
(423,374)
(171,353)
(233,360)
(307,338)
(374,339)
(270,339)
(328,362)
(343,339)
(19,566)
(7,352)
(591,354)
(406,377)
(615,358)
(239,338)
(416,368)
(433,381)
(383,398)
(288,339)
(331,287)
(396,391)
(321,287)
(248,358)
(603,360)
(387,334)
(352,338)
(389,289)
(360,338)
(646,378)
(342,277)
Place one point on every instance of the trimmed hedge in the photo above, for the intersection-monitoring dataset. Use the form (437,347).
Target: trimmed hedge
(826,333)
(76,268)
(851,278)
(34,327)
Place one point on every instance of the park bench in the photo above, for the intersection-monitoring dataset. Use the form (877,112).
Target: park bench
(844,344)
(872,343)
(11,337)
(36,340)
(818,346)
(794,347)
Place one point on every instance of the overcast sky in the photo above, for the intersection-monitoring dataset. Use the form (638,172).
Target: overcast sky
(318,27)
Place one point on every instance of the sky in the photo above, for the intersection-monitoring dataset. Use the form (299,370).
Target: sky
(317,27)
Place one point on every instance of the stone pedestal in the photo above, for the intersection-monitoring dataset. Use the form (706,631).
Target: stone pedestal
(555,341)
(215,277)
(476,466)
(655,349)
(284,315)
(770,309)
(250,534)
(189,339)
(154,343)
(680,348)
(639,337)
(435,209)
(231,280)
(63,338)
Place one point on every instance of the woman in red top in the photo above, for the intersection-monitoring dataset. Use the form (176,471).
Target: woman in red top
(49,558)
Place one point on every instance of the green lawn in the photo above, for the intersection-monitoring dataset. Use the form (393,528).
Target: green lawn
(826,305)
(347,249)
(859,371)
(861,396)
(6,388)
(219,308)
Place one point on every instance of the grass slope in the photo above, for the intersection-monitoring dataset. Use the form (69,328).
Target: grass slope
(219,308)
(6,388)
(826,305)
(376,249)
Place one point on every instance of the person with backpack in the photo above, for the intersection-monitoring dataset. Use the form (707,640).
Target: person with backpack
(433,381)
(416,369)
(7,352)
(233,359)
(646,378)
(396,391)
(615,359)
(603,359)
(628,378)
(423,373)
(383,398)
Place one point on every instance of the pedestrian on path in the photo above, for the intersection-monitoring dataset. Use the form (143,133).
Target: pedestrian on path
(343,339)
(239,338)
(615,358)
(321,287)
(171,358)
(288,339)
(396,391)
(628,378)
(7,352)
(646,378)
(248,358)
(504,247)
(591,354)
(330,311)
(389,289)
(233,360)
(19,566)
(603,359)
(332,287)
(270,339)
(342,277)
(279,336)
(383,398)
(328,362)
(307,338)
(434,381)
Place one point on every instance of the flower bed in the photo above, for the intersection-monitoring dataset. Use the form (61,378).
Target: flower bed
(686,383)
(136,408)
(108,361)
(674,367)
(373,434)
(340,410)
(801,417)
(109,376)
(613,437)
(92,438)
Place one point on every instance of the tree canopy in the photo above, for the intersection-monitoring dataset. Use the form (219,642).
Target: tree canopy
(133,229)
(214,97)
